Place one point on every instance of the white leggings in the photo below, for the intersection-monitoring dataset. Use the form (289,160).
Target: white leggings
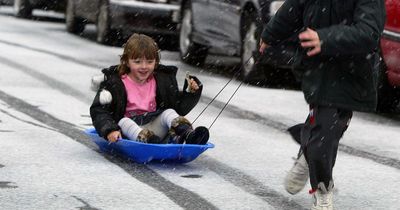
(160,125)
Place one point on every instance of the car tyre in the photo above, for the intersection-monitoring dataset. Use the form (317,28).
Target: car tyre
(251,69)
(22,9)
(388,96)
(190,51)
(74,24)
(104,31)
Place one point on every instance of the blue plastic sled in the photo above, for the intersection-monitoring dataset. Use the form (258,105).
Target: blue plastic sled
(143,153)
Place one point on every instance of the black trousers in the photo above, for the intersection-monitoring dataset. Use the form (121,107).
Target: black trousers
(320,137)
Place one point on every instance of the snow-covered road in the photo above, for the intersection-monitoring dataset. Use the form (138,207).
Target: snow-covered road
(48,163)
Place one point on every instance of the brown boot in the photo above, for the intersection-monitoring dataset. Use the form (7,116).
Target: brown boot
(148,136)
(184,132)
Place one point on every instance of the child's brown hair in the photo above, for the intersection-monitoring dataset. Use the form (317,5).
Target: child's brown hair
(138,46)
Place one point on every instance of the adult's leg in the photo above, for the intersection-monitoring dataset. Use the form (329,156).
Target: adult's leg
(320,140)
(297,177)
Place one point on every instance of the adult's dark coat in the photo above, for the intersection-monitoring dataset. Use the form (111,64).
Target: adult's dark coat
(344,74)
(105,117)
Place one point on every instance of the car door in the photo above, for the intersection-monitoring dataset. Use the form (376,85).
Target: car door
(87,9)
(390,42)
(224,27)
(200,18)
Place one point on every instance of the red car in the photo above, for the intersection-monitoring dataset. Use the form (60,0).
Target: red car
(389,88)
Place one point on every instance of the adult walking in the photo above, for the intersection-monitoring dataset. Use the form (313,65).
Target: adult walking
(337,65)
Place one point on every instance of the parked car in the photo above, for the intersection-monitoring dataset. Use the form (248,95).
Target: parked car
(6,2)
(120,18)
(231,28)
(389,87)
(24,8)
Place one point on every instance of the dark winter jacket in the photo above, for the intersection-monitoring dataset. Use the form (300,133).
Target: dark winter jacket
(105,117)
(344,74)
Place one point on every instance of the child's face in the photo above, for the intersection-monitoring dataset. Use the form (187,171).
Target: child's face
(141,68)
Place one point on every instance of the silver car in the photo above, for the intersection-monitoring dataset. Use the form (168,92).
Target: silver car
(119,18)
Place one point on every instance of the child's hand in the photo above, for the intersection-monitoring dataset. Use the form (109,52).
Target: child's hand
(193,86)
(114,136)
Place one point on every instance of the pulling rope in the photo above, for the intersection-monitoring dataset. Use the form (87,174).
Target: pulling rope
(226,104)
(230,98)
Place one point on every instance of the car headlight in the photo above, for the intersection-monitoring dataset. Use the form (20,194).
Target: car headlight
(274,6)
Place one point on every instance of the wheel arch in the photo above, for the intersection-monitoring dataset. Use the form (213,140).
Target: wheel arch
(182,6)
(250,10)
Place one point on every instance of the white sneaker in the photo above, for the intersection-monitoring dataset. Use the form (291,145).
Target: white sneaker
(297,177)
(323,198)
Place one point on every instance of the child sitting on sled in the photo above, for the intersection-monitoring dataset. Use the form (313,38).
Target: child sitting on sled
(139,99)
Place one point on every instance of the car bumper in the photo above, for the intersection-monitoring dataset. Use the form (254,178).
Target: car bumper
(390,45)
(145,16)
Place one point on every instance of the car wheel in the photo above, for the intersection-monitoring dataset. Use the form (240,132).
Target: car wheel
(252,71)
(388,96)
(249,46)
(74,24)
(22,8)
(104,24)
(190,51)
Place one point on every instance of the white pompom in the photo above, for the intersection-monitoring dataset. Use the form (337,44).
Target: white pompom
(96,80)
(105,97)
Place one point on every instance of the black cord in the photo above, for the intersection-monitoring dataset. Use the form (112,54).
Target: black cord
(226,104)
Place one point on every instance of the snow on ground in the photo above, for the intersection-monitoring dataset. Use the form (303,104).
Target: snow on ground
(49,171)
(51,69)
